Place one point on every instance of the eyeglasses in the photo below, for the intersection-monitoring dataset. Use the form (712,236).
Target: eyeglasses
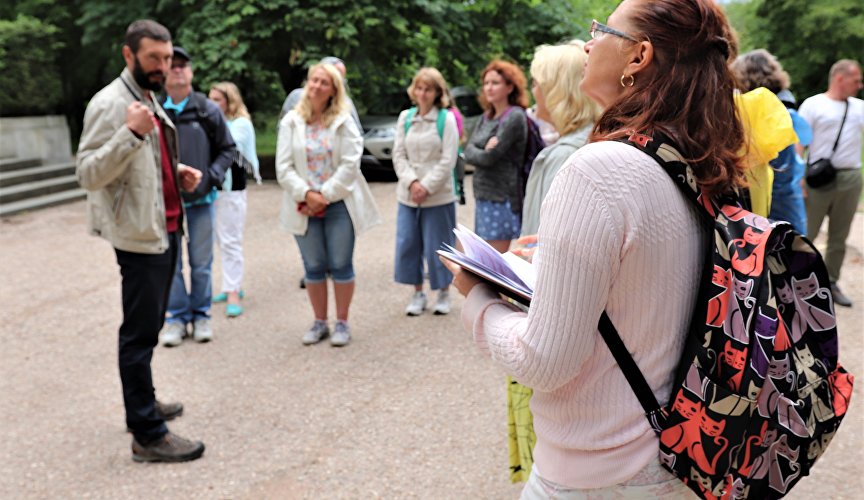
(179,64)
(597,26)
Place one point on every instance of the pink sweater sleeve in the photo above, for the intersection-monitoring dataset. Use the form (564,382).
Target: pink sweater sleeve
(579,241)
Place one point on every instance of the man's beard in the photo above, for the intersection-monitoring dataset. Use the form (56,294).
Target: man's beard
(143,79)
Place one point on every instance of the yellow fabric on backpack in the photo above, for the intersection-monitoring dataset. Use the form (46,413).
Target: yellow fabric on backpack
(767,131)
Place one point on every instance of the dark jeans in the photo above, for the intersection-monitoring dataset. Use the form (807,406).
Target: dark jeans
(146,284)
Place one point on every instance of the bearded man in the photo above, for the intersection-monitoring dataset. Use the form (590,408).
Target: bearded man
(128,163)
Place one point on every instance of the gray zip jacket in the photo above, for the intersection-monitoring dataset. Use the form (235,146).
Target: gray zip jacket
(496,175)
(122,173)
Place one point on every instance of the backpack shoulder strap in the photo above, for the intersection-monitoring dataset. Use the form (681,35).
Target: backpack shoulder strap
(442,120)
(631,371)
(408,117)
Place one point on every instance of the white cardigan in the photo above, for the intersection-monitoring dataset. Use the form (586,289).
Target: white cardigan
(346,184)
(423,156)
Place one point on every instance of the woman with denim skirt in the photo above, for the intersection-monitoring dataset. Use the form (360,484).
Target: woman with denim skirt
(497,150)
(327,202)
(424,154)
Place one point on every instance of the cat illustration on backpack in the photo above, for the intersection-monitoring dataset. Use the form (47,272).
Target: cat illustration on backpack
(805,315)
(752,264)
(736,325)
(711,446)
(718,306)
(679,437)
(736,361)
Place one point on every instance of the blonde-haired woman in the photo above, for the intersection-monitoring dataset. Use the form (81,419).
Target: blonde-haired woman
(424,153)
(231,203)
(327,202)
(556,71)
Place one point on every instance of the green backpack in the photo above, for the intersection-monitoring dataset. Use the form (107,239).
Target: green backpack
(459,168)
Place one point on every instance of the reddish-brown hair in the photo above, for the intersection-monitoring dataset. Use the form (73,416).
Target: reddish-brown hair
(511,74)
(688,94)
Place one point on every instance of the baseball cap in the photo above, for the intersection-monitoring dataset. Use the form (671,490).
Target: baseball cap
(181,52)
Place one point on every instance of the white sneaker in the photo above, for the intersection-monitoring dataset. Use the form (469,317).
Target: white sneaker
(172,334)
(417,305)
(341,334)
(442,304)
(202,331)
(317,332)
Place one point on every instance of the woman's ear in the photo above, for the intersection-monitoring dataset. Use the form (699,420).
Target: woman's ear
(642,56)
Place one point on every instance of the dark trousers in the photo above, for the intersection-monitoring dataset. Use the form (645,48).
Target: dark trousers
(146,284)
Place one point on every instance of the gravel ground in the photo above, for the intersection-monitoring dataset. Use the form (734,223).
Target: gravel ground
(409,410)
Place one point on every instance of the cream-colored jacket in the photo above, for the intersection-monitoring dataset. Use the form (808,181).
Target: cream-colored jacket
(346,184)
(122,173)
(424,156)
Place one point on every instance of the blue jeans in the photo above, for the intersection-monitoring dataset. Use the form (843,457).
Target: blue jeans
(419,234)
(328,246)
(188,307)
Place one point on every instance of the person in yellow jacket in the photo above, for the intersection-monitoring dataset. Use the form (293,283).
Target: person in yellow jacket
(768,128)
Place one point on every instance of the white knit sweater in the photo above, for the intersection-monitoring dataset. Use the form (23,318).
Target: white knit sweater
(616,234)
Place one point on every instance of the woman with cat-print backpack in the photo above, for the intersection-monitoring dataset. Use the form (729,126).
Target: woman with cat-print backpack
(617,234)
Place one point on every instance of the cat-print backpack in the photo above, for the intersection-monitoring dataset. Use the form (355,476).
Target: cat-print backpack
(759,392)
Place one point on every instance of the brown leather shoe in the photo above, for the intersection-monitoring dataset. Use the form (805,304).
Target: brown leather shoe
(169,411)
(839,297)
(168,448)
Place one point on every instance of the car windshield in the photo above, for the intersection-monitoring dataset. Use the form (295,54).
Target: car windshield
(468,105)
(390,104)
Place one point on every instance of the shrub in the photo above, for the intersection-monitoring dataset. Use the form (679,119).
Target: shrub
(30,82)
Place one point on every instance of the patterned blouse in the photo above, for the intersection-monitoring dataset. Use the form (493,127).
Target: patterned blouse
(319,155)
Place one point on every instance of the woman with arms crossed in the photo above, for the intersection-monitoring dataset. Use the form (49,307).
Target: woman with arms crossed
(497,150)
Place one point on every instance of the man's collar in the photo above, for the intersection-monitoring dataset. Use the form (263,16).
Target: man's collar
(178,107)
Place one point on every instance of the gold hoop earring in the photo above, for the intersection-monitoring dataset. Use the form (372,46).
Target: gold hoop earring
(632,80)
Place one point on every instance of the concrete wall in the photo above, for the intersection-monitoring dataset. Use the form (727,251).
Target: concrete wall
(45,137)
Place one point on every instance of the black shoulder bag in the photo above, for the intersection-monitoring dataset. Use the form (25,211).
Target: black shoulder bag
(822,172)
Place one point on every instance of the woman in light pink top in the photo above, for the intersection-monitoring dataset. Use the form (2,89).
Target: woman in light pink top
(617,235)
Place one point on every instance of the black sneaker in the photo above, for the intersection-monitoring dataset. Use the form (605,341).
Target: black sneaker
(839,297)
(169,411)
(168,448)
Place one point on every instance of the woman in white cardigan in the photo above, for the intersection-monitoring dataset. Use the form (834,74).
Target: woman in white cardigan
(327,202)
(424,155)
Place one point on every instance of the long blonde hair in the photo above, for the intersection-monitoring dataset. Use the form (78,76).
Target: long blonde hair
(337,105)
(234,105)
(558,69)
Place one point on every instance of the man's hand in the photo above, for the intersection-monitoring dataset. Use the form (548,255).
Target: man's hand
(418,193)
(315,202)
(190,177)
(491,143)
(139,119)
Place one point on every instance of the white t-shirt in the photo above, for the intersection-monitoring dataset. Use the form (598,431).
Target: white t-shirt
(824,116)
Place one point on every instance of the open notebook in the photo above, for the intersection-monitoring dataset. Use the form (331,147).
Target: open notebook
(510,275)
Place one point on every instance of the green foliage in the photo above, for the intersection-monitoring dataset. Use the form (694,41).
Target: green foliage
(807,36)
(29,80)
(265,46)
